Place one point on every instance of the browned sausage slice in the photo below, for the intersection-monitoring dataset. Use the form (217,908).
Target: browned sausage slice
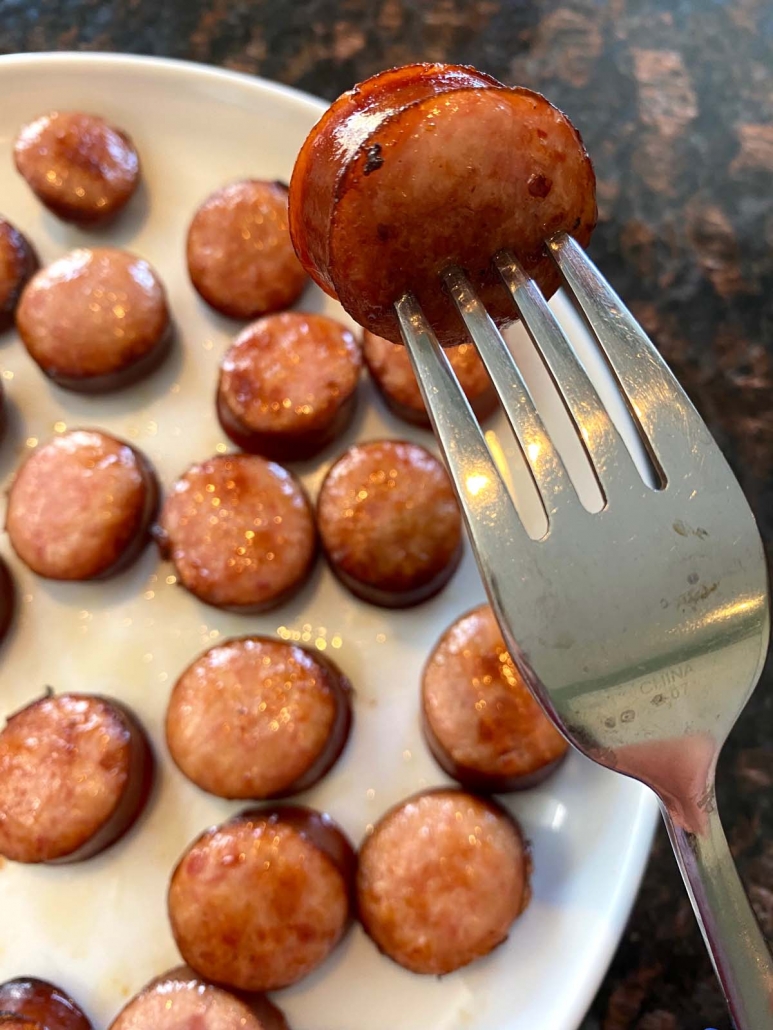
(441,879)
(287,385)
(391,370)
(261,901)
(240,532)
(181,1000)
(240,256)
(43,1002)
(18,262)
(9,1022)
(75,772)
(440,169)
(83,169)
(389,523)
(258,718)
(80,506)
(343,128)
(480,720)
(95,320)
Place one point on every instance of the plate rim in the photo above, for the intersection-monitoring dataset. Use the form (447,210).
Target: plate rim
(637,851)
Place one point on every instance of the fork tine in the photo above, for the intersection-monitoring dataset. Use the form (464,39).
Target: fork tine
(492,521)
(543,460)
(669,422)
(608,454)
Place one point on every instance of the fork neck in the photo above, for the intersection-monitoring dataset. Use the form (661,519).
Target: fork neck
(734,940)
(680,771)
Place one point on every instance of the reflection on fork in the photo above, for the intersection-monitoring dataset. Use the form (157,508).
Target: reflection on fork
(643,626)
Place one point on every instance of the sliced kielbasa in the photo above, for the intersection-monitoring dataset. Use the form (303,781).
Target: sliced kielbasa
(288,385)
(80,506)
(75,772)
(83,169)
(319,164)
(18,262)
(240,256)
(182,1000)
(440,165)
(391,370)
(240,532)
(441,880)
(260,901)
(43,1002)
(95,320)
(258,718)
(480,720)
(389,523)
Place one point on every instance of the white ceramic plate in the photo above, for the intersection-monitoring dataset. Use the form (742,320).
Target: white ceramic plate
(99,928)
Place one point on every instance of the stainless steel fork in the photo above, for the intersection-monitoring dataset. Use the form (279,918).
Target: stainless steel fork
(643,627)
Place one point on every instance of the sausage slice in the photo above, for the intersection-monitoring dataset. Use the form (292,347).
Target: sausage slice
(349,121)
(260,901)
(258,718)
(95,320)
(240,532)
(288,385)
(181,1000)
(428,166)
(80,506)
(10,1022)
(240,256)
(441,880)
(389,523)
(83,169)
(18,262)
(480,720)
(42,1002)
(392,372)
(75,773)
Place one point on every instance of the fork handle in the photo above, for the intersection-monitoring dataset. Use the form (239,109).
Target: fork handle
(740,954)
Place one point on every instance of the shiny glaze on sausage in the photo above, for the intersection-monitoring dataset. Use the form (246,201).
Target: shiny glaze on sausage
(428,166)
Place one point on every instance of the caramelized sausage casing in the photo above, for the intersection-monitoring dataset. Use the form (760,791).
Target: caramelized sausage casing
(431,165)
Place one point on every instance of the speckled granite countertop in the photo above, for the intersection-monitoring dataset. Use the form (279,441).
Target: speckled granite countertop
(675,101)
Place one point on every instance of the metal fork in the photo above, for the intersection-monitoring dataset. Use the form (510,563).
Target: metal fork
(643,627)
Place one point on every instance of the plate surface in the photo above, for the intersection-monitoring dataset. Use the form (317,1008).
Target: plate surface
(99,929)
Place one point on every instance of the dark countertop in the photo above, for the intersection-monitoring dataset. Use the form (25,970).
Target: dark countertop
(675,101)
